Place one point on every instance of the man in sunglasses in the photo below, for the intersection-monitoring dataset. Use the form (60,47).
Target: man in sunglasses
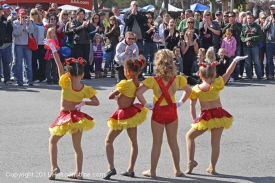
(5,41)
(269,29)
(125,49)
(226,17)
(236,27)
(134,22)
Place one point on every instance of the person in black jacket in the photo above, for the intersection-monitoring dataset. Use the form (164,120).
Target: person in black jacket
(5,41)
(134,22)
(81,29)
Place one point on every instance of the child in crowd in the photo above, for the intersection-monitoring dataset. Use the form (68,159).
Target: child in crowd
(71,120)
(229,43)
(128,115)
(98,48)
(178,59)
(164,116)
(210,55)
(51,69)
(223,62)
(213,117)
(201,58)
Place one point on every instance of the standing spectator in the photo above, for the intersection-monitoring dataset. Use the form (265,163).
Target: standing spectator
(159,19)
(197,16)
(236,28)
(183,23)
(55,7)
(218,16)
(242,14)
(190,26)
(163,25)
(98,48)
(82,28)
(118,16)
(134,22)
(190,50)
(6,30)
(251,34)
(171,35)
(265,67)
(226,17)
(125,49)
(38,61)
(40,10)
(50,11)
(73,14)
(236,11)
(21,29)
(229,43)
(63,18)
(102,20)
(51,67)
(209,32)
(53,22)
(112,33)
(150,46)
(269,29)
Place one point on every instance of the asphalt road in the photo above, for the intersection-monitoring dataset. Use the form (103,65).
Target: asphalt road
(247,149)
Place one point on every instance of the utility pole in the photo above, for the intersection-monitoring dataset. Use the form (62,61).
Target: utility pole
(231,5)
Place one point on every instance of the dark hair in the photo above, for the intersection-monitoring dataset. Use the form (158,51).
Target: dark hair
(135,65)
(80,10)
(198,12)
(176,47)
(102,14)
(162,11)
(233,13)
(75,68)
(207,71)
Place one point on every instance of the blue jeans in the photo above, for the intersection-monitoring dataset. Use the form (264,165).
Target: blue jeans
(5,56)
(253,54)
(236,71)
(110,57)
(149,51)
(270,52)
(23,52)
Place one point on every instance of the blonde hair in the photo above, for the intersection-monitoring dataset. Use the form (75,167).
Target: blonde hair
(208,12)
(165,68)
(210,49)
(49,31)
(39,19)
(201,51)
(221,50)
(185,35)
(207,71)
(61,15)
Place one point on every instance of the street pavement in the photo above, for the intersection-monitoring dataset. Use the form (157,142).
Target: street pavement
(247,148)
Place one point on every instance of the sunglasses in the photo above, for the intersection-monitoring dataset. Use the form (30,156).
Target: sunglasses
(53,19)
(34,14)
(66,14)
(207,15)
(218,14)
(131,38)
(225,16)
(190,22)
(231,16)
(135,4)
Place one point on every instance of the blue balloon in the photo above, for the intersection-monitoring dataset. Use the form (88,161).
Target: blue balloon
(65,51)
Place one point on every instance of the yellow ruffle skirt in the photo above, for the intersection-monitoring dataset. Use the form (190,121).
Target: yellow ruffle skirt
(69,122)
(213,118)
(129,117)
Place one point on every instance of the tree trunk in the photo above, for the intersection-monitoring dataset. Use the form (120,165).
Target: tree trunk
(165,4)
(224,5)
(157,8)
(95,6)
(213,6)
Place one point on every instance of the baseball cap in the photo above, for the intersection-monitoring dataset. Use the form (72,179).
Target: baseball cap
(17,7)
(218,13)
(5,6)
(38,6)
(272,6)
(22,11)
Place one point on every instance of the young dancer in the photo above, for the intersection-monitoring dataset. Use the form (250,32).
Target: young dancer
(128,115)
(98,47)
(71,120)
(164,116)
(51,69)
(213,117)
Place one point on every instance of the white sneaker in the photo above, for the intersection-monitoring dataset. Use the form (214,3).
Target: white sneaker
(36,81)
(44,81)
(231,80)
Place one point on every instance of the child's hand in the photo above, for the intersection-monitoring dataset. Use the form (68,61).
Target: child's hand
(78,106)
(149,105)
(238,58)
(94,48)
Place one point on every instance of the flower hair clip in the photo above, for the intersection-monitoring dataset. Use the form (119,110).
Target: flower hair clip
(213,63)
(135,64)
(202,64)
(141,62)
(81,61)
(68,61)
